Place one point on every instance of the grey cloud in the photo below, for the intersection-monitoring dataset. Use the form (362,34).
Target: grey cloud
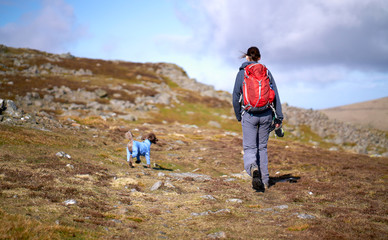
(351,34)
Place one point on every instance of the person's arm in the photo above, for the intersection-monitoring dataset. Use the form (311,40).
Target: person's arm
(237,91)
(277,103)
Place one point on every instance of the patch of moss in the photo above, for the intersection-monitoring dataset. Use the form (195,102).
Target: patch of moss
(301,227)
(135,219)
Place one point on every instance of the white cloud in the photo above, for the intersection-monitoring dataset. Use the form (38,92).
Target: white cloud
(53,28)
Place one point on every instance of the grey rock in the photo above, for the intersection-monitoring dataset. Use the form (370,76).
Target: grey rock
(194,176)
(217,235)
(70,166)
(116,221)
(120,104)
(200,214)
(48,98)
(163,98)
(70,202)
(281,207)
(267,209)
(234,200)
(63,155)
(211,212)
(17,62)
(47,66)
(226,210)
(66,55)
(9,108)
(101,93)
(305,216)
(179,142)
(128,117)
(95,105)
(230,180)
(168,184)
(214,124)
(243,175)
(209,197)
(156,186)
(82,72)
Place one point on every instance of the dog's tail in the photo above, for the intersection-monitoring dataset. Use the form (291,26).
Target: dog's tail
(129,136)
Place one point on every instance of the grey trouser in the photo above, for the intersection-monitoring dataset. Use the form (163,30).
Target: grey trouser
(255,128)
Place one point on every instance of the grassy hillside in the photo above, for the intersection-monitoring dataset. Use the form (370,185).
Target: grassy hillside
(89,191)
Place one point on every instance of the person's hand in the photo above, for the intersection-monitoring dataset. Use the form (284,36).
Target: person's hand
(278,123)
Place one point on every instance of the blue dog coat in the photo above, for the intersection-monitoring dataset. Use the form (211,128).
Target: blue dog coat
(140,149)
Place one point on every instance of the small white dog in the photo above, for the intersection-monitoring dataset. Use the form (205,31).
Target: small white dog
(137,149)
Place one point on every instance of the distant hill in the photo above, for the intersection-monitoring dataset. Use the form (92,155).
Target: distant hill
(373,114)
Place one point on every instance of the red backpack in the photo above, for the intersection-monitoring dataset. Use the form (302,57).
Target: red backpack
(257,92)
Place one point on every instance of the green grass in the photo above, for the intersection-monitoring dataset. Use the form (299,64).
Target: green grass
(195,114)
(307,136)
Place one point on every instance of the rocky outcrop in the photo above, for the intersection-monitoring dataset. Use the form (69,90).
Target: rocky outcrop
(180,77)
(12,115)
(22,67)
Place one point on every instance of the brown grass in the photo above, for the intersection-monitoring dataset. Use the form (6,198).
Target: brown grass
(347,196)
(15,226)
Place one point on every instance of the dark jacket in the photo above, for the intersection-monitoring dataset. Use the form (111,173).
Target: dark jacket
(237,91)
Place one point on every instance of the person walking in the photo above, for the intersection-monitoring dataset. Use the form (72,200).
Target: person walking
(256,126)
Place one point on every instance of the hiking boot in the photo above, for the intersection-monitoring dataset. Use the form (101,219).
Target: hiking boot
(257,184)
(138,161)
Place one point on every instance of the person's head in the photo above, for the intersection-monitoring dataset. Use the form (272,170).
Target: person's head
(252,54)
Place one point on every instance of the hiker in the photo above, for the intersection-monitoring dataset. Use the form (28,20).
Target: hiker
(256,125)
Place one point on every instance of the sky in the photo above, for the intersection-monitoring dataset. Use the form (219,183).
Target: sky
(322,53)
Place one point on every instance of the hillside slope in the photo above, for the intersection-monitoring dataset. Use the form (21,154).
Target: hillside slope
(197,190)
(372,114)
(63,173)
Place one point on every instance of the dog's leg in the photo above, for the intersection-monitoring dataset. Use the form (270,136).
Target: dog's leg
(128,135)
(129,157)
